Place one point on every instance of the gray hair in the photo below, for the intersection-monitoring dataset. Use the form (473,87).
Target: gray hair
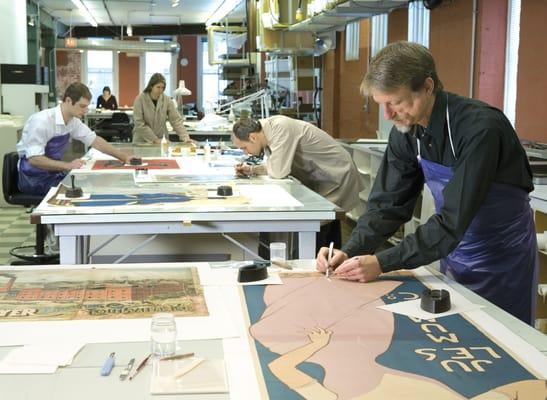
(244,127)
(400,64)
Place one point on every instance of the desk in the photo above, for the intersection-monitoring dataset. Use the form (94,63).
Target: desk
(74,225)
(245,375)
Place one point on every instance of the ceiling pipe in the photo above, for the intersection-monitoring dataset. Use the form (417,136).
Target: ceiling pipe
(121,45)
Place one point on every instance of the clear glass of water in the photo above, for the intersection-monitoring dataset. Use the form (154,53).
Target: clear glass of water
(163,335)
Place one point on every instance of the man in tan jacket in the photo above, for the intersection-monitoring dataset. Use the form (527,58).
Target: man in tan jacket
(151,110)
(298,148)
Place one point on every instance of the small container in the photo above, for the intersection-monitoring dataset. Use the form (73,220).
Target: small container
(163,335)
(278,251)
(164,147)
(207,152)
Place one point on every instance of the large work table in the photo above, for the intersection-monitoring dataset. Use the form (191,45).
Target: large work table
(258,204)
(328,335)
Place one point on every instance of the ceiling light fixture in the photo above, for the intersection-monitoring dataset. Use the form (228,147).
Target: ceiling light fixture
(129,30)
(224,9)
(87,15)
(174,3)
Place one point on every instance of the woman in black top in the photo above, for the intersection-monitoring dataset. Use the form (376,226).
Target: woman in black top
(107,100)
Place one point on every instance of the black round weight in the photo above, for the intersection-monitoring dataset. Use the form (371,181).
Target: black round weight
(74,192)
(435,301)
(252,273)
(224,190)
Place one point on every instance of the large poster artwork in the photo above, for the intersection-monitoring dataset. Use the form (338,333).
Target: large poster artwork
(99,294)
(325,339)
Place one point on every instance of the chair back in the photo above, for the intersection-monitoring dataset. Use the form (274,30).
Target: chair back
(10,178)
(120,118)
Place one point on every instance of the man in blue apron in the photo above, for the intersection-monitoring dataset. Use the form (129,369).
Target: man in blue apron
(46,136)
(471,159)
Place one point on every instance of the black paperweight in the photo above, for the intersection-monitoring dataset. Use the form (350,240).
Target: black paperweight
(225,190)
(73,192)
(252,273)
(435,301)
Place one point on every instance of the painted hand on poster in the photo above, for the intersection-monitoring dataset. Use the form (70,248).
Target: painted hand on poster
(285,367)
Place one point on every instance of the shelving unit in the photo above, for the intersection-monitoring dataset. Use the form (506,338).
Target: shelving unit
(241,80)
(278,74)
(346,12)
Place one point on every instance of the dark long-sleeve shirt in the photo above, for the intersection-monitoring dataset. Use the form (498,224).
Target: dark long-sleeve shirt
(110,104)
(487,150)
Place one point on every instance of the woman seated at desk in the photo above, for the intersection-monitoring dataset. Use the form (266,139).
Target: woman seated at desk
(151,110)
(107,100)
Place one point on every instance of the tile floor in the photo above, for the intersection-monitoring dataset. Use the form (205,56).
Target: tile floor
(15,230)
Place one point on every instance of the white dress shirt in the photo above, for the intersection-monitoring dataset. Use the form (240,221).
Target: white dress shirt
(47,124)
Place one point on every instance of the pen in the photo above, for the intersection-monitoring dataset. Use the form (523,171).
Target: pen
(140,366)
(179,357)
(108,365)
(331,248)
(127,370)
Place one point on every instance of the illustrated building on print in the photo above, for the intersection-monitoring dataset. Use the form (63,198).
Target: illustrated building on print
(115,292)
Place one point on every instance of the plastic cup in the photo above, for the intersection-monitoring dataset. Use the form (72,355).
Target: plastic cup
(278,251)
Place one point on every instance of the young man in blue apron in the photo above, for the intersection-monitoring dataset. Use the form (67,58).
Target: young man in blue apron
(46,136)
(472,161)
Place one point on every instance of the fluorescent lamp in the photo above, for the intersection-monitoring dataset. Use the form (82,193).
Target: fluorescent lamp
(83,9)
(129,30)
(222,11)
(174,3)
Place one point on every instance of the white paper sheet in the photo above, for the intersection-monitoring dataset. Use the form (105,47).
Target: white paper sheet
(85,196)
(58,354)
(459,304)
(207,377)
(7,368)
(412,308)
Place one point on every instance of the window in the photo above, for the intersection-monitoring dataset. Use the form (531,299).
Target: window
(155,61)
(511,60)
(352,41)
(210,82)
(99,72)
(378,42)
(418,23)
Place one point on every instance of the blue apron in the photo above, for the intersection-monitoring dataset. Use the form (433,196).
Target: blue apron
(38,181)
(497,256)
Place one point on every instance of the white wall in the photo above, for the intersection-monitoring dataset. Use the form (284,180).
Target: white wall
(13,32)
